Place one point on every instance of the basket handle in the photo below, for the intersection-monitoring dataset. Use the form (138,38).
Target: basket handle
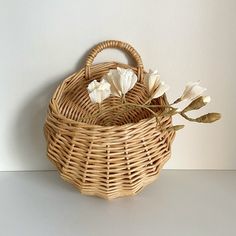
(113,44)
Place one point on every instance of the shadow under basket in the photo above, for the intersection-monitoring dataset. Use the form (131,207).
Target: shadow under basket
(113,153)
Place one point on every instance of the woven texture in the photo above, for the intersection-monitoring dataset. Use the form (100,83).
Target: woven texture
(115,153)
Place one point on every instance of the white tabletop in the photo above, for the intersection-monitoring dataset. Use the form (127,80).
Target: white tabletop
(179,203)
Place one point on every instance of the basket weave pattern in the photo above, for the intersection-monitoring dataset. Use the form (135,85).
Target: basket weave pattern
(115,153)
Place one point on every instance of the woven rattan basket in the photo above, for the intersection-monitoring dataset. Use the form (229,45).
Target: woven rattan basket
(113,154)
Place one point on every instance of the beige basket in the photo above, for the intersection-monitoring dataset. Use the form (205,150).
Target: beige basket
(115,153)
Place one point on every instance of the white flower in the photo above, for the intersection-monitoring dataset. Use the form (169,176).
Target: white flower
(121,80)
(155,86)
(192,91)
(152,80)
(98,91)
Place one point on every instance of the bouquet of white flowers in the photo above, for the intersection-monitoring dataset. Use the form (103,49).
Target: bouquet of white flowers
(117,82)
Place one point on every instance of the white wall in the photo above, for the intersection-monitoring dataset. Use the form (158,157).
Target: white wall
(43,41)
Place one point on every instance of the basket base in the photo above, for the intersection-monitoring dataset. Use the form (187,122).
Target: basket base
(109,195)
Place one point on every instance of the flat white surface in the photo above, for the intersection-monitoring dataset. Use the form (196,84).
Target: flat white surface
(179,203)
(44,41)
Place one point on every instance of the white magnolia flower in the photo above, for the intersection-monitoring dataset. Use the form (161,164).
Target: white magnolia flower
(98,91)
(192,91)
(121,80)
(155,86)
(152,80)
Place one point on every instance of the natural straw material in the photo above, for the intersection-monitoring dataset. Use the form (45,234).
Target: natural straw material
(112,153)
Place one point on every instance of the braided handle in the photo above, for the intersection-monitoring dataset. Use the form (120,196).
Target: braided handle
(113,44)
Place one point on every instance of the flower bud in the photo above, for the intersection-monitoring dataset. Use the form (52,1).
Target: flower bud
(208,118)
(206,99)
(197,103)
(176,127)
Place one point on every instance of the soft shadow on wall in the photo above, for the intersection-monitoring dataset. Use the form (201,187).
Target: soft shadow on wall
(29,141)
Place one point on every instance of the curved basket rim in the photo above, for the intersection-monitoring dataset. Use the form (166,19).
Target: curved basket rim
(130,125)
(87,125)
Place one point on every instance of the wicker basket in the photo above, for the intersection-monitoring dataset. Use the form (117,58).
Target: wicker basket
(113,154)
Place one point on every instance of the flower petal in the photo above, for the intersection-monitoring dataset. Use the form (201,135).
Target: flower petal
(192,91)
(189,86)
(161,90)
(93,85)
(121,80)
(152,80)
(98,91)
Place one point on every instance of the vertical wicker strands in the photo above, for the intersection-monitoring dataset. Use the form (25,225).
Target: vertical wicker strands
(115,153)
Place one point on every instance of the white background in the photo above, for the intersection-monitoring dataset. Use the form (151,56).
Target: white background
(44,41)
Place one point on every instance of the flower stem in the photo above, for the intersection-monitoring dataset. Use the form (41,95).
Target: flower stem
(164,106)
(126,104)
(123,99)
(148,101)
(99,107)
(187,118)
